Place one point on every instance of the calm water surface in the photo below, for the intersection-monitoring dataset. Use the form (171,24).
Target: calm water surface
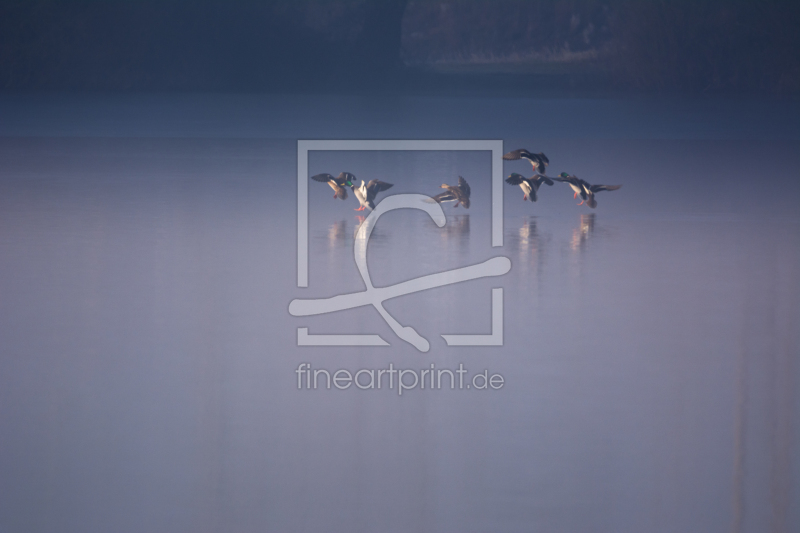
(147,355)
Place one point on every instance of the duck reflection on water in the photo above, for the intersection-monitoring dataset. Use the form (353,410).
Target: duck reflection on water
(453,237)
(526,238)
(583,232)
(365,223)
(528,242)
(456,226)
(337,232)
(360,221)
(529,235)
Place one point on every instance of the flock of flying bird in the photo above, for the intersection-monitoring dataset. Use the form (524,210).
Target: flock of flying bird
(366,192)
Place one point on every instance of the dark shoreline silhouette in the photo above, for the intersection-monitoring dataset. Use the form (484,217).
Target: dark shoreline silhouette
(509,46)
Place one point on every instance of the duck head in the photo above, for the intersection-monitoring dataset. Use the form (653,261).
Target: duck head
(348,178)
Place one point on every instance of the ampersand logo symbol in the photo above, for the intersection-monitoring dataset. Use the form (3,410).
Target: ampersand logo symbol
(375,296)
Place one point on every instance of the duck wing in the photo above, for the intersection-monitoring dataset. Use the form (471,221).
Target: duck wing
(586,188)
(517,154)
(337,186)
(344,177)
(598,188)
(376,186)
(574,184)
(446,196)
(543,179)
(464,186)
(515,179)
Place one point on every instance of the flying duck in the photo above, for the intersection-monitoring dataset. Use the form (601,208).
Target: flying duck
(455,193)
(338,184)
(539,161)
(575,183)
(590,201)
(584,188)
(367,192)
(530,185)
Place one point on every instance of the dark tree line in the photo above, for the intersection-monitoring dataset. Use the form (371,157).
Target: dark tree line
(736,46)
(696,46)
(710,45)
(195,44)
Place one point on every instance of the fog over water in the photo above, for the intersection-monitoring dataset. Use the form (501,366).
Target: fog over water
(148,256)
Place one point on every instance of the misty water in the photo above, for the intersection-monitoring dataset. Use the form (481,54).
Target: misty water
(148,256)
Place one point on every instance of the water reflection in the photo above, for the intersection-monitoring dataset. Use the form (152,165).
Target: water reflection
(528,241)
(528,236)
(163,330)
(765,384)
(457,226)
(337,233)
(380,236)
(452,238)
(361,221)
(583,232)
